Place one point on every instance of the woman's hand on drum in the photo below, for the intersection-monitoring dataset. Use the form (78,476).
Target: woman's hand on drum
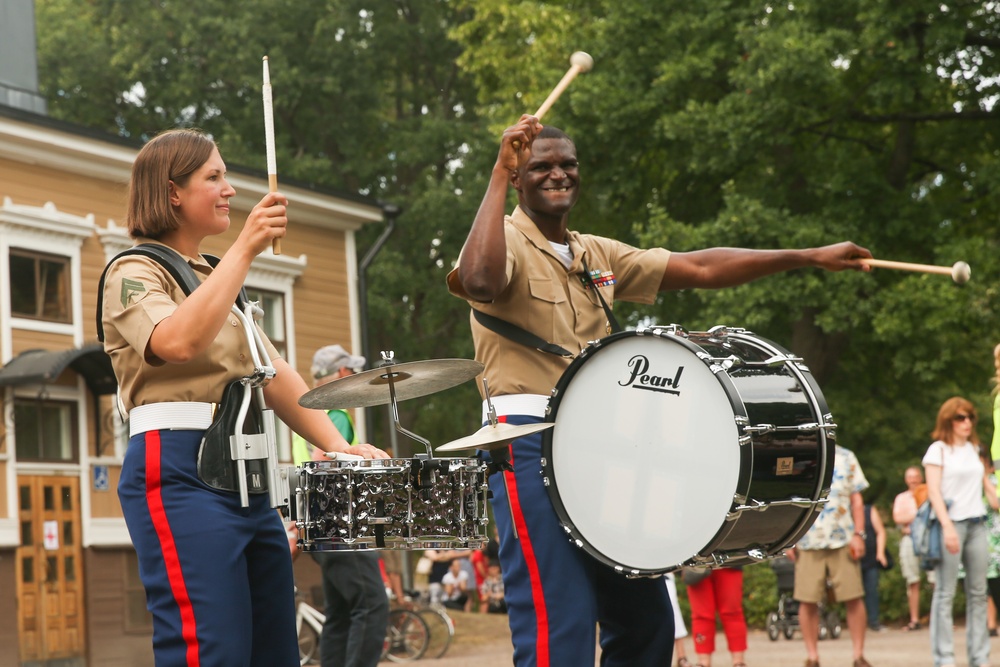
(367,451)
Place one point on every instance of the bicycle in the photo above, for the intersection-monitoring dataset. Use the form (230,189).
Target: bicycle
(441,625)
(406,636)
(309,627)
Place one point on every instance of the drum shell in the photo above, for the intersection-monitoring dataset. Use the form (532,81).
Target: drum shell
(784,395)
(391,504)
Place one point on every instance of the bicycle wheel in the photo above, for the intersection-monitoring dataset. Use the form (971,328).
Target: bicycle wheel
(406,636)
(442,630)
(308,644)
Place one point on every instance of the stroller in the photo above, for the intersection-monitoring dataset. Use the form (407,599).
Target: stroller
(785,621)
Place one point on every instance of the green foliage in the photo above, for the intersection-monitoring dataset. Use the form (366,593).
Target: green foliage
(703,123)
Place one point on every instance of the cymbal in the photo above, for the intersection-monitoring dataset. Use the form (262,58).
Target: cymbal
(410,380)
(494,437)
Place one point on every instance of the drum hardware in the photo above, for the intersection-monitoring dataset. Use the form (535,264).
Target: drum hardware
(495,435)
(758,506)
(391,504)
(244,447)
(418,503)
(761,429)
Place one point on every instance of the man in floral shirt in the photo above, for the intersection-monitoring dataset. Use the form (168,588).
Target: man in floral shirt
(831,550)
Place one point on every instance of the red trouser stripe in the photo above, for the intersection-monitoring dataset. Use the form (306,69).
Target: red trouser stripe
(154,497)
(541,614)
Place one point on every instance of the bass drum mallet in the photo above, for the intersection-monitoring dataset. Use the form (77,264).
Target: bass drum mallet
(579,62)
(960,272)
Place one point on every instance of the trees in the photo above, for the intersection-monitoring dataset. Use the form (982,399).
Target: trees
(702,123)
(794,125)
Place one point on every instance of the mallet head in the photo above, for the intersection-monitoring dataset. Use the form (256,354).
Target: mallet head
(961,272)
(582,60)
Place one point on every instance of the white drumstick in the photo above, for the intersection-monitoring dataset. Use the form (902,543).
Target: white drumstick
(272,163)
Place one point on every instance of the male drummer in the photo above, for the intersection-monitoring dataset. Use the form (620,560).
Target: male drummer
(527,269)
(356,605)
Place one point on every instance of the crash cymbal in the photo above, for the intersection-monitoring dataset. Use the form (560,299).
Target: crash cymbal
(494,437)
(410,380)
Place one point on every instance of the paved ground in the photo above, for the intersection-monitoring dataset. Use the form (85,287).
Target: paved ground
(485,642)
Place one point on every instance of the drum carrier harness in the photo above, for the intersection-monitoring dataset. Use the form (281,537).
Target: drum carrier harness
(238,451)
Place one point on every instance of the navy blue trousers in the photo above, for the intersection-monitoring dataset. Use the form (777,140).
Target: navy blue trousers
(557,593)
(218,577)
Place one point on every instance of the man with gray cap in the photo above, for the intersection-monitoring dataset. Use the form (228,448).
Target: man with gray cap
(356,607)
(330,363)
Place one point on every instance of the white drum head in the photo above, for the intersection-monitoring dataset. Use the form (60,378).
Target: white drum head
(645,457)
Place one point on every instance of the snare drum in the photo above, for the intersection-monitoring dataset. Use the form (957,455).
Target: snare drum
(417,503)
(674,448)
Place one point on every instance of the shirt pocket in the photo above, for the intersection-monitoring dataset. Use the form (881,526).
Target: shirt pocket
(547,297)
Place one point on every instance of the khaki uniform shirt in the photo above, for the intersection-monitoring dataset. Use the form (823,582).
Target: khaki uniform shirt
(138,295)
(554,303)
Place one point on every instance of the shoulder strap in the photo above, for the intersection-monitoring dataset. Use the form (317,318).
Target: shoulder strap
(519,335)
(172,262)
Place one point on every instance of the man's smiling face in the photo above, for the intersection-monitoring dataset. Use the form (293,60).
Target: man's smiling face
(548,183)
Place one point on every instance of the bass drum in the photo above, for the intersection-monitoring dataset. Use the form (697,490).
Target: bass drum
(675,448)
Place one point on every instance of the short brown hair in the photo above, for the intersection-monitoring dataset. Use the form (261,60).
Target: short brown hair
(944,430)
(172,155)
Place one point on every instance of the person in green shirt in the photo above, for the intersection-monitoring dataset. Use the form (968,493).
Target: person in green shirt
(356,604)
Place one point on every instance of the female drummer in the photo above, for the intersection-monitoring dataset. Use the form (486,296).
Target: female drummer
(218,576)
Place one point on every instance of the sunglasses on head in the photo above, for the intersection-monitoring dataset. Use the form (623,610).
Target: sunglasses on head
(962,417)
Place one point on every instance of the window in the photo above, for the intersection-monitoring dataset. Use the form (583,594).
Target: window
(45,430)
(39,286)
(273,323)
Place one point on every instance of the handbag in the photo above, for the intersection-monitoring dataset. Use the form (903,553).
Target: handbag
(925,531)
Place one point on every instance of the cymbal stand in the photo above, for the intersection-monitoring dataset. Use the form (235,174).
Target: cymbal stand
(499,458)
(387,363)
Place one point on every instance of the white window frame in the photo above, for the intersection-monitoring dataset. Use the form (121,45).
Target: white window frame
(42,229)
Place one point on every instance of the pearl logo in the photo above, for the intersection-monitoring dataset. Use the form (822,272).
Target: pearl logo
(639,377)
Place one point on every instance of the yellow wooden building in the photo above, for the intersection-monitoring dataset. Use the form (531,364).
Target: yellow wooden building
(69,588)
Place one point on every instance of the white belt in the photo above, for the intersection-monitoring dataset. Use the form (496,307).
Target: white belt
(174,415)
(517,404)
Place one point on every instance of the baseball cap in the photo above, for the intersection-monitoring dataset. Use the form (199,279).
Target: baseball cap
(330,359)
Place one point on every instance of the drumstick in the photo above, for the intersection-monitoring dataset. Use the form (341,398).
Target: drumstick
(960,272)
(579,62)
(272,165)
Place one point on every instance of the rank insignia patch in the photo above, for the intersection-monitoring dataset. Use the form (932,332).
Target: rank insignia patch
(129,289)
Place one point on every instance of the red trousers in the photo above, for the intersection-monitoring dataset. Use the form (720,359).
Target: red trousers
(720,593)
